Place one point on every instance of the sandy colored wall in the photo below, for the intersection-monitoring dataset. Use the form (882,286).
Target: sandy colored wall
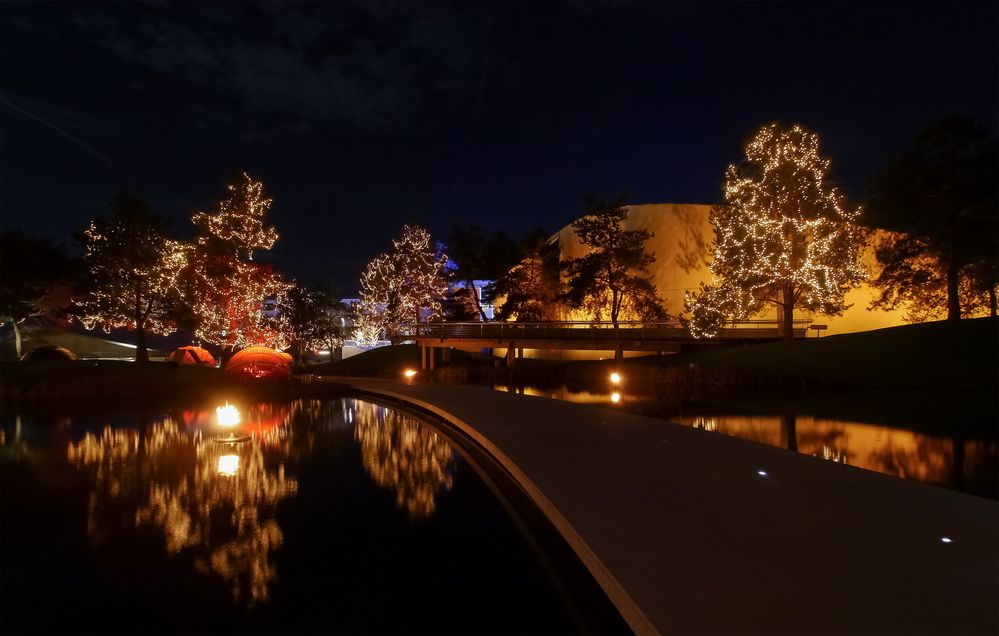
(682,240)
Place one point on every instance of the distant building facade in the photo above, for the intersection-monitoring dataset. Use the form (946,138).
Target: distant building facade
(682,242)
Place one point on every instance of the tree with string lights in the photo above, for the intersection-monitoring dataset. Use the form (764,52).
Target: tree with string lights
(398,285)
(784,237)
(134,271)
(226,286)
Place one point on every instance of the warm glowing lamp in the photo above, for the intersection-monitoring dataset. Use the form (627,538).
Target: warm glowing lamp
(227,416)
(228,465)
(615,397)
(409,374)
(615,378)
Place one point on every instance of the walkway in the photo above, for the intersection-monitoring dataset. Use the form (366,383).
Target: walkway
(693,532)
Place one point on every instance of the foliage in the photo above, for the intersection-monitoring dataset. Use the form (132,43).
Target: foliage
(35,280)
(784,236)
(397,285)
(480,254)
(613,277)
(225,287)
(530,289)
(314,317)
(939,199)
(134,271)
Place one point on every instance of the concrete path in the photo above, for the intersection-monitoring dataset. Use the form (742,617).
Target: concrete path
(693,532)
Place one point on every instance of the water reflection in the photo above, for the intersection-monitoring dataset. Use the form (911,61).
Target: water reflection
(962,464)
(213,501)
(403,454)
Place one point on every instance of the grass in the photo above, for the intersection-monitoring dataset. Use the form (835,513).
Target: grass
(389,362)
(938,355)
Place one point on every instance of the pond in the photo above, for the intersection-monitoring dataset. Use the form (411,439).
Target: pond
(945,440)
(333,515)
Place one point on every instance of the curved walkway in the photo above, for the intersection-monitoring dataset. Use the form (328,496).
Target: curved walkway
(693,532)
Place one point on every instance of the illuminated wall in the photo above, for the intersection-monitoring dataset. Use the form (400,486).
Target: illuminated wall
(682,242)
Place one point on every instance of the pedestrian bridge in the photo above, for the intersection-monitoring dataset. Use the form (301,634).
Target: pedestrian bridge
(651,336)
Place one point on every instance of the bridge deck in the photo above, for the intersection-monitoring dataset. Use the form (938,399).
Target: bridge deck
(664,337)
(686,536)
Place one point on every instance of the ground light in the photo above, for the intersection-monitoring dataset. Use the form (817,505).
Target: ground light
(615,397)
(409,374)
(228,418)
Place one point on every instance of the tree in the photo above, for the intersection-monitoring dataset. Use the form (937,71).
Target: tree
(134,269)
(35,280)
(614,276)
(530,289)
(480,254)
(939,200)
(396,286)
(784,236)
(226,287)
(314,317)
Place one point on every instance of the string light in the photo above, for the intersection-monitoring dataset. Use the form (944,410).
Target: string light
(229,288)
(397,285)
(783,236)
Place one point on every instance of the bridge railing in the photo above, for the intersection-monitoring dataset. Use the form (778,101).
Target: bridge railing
(670,330)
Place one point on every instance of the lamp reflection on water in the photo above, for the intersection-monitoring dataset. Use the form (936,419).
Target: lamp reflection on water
(228,465)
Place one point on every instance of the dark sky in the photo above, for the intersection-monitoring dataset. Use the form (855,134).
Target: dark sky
(361,117)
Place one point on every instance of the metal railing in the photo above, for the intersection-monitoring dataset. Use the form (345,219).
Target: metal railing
(661,330)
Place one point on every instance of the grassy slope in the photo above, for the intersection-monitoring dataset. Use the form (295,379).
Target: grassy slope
(964,355)
(385,362)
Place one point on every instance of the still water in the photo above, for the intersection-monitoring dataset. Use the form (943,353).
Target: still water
(968,462)
(337,515)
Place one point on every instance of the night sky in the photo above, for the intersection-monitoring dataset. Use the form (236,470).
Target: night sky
(361,117)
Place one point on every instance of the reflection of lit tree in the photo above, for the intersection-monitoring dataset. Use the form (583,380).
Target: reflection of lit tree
(179,482)
(404,454)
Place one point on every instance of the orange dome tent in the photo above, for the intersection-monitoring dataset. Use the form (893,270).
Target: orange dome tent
(258,363)
(191,355)
(48,353)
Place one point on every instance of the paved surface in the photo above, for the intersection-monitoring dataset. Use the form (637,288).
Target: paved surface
(686,536)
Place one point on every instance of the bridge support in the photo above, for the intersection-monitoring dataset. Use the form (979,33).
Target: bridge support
(511,355)
(618,353)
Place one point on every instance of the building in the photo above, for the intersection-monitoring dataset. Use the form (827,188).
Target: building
(682,243)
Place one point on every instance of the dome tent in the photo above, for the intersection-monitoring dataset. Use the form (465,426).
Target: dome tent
(258,363)
(48,353)
(191,355)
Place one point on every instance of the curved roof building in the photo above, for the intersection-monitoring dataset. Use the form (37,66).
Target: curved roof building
(682,243)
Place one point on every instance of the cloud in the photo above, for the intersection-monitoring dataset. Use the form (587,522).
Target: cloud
(368,66)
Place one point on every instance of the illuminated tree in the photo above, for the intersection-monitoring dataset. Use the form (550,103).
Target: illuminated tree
(396,286)
(784,236)
(226,287)
(35,280)
(530,289)
(134,271)
(613,277)
(939,199)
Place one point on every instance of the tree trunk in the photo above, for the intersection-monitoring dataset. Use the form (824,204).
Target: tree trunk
(337,354)
(787,330)
(789,431)
(992,301)
(19,345)
(478,303)
(953,300)
(141,353)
